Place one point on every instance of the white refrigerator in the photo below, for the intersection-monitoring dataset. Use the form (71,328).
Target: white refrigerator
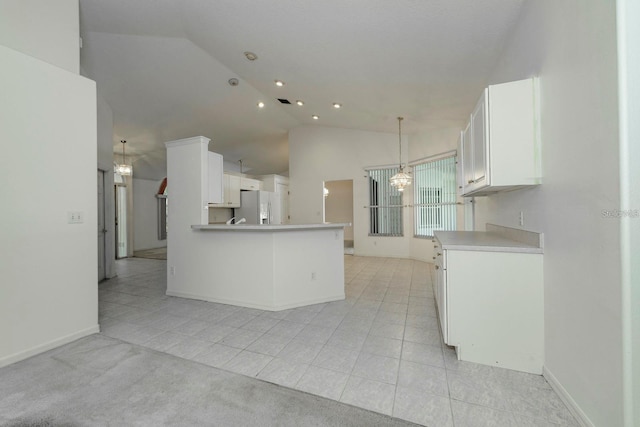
(259,207)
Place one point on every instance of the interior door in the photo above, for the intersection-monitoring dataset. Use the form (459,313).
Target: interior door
(283,191)
(102,229)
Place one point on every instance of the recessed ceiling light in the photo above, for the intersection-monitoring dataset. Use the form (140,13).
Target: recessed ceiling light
(337,105)
(260,104)
(315,117)
(300,103)
(251,56)
(279,83)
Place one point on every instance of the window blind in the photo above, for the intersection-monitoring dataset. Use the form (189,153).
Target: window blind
(434,196)
(385,204)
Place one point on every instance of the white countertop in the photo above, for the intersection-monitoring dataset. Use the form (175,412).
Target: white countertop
(269,227)
(483,241)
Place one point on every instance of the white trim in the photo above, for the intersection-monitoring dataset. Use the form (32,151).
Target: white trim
(259,306)
(433,158)
(391,166)
(628,63)
(187,141)
(566,398)
(16,357)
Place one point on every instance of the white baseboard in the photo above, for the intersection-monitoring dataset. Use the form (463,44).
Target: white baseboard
(571,404)
(250,304)
(13,358)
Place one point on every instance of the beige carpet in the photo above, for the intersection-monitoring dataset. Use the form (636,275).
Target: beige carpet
(156,253)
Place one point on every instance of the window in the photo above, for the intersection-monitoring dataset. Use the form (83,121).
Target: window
(385,204)
(434,196)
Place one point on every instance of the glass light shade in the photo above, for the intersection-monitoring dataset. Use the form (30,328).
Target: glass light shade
(400,180)
(124,170)
(325,191)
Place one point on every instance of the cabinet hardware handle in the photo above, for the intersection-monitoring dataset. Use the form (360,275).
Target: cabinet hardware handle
(434,257)
(470,181)
(437,267)
(439,254)
(435,246)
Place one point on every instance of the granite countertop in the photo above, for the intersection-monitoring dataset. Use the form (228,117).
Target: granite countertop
(268,227)
(488,241)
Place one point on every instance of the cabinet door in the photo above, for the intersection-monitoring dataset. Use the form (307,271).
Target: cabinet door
(441,294)
(215,178)
(249,184)
(467,159)
(233,191)
(479,140)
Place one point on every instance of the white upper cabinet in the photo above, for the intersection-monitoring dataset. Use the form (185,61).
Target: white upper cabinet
(501,144)
(465,159)
(250,184)
(231,192)
(215,178)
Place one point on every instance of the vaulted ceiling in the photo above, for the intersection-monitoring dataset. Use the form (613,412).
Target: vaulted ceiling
(163,67)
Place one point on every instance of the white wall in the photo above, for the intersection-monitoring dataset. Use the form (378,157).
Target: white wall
(48,30)
(49,293)
(318,154)
(145,215)
(571,45)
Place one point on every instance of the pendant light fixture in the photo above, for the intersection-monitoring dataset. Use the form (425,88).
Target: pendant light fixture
(124,169)
(401,179)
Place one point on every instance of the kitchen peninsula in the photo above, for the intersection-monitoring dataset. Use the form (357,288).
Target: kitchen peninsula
(269,267)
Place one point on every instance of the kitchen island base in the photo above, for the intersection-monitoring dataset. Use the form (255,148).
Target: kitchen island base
(268,267)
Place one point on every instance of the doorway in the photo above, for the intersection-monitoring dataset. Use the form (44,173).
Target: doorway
(283,190)
(102,227)
(338,207)
(121,220)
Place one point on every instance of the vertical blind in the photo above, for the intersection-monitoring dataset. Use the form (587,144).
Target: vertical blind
(434,196)
(385,204)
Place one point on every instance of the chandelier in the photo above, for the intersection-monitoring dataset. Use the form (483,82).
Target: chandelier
(401,179)
(123,168)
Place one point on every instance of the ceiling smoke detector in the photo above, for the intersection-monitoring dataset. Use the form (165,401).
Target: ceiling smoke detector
(234,82)
(251,56)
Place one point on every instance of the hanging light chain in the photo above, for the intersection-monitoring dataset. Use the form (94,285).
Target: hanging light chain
(400,119)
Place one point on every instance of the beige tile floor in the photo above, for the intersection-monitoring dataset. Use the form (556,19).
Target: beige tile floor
(379,349)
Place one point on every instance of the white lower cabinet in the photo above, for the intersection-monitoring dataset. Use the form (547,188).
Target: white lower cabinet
(490,306)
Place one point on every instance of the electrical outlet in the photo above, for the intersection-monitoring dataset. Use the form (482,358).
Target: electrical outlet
(521,219)
(172,270)
(75,217)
